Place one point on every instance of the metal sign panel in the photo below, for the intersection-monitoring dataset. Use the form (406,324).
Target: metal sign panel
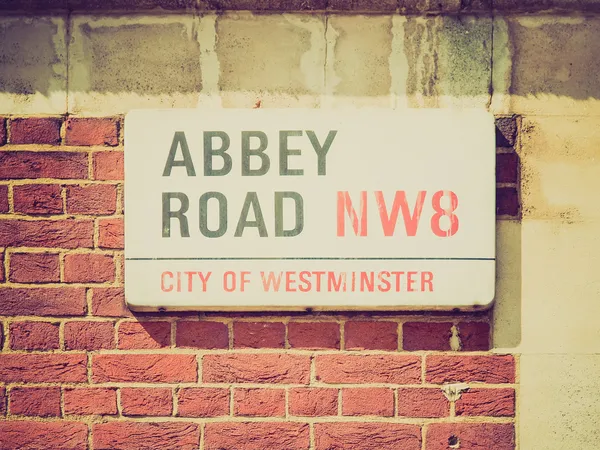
(323,209)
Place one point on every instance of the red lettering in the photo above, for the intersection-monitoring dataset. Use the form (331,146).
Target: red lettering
(270,280)
(244,280)
(204,279)
(411,221)
(344,205)
(289,281)
(229,281)
(163,287)
(444,212)
(305,280)
(190,275)
(398,276)
(384,283)
(427,279)
(367,281)
(410,281)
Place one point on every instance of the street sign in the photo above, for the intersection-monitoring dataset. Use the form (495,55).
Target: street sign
(323,209)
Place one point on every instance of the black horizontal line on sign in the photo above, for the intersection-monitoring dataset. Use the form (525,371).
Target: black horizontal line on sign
(309,258)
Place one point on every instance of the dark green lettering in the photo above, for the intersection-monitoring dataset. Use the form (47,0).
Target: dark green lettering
(167,214)
(299,204)
(179,140)
(285,152)
(247,152)
(209,152)
(321,151)
(222,200)
(259,222)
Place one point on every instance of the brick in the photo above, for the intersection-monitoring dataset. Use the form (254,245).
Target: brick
(313,402)
(146,402)
(60,165)
(35,130)
(209,335)
(2,131)
(507,167)
(258,335)
(38,199)
(92,199)
(90,401)
(46,233)
(92,131)
(256,436)
(256,368)
(486,369)
(474,336)
(486,402)
(368,402)
(141,368)
(2,401)
(426,336)
(89,335)
(34,268)
(397,369)
(89,268)
(111,233)
(29,401)
(367,436)
(371,335)
(470,436)
(314,335)
(109,302)
(34,336)
(163,435)
(203,402)
(42,302)
(422,402)
(33,435)
(258,402)
(54,368)
(2,277)
(108,166)
(507,201)
(144,335)
(3,198)
(506,131)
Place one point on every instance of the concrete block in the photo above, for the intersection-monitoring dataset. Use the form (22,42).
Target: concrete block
(133,5)
(554,63)
(530,6)
(559,402)
(363,5)
(444,6)
(448,60)
(507,306)
(267,5)
(559,168)
(271,60)
(33,65)
(358,61)
(559,287)
(119,63)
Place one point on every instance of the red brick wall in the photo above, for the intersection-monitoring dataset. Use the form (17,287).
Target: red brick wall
(79,370)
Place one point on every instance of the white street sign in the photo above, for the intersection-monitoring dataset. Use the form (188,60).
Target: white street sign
(323,209)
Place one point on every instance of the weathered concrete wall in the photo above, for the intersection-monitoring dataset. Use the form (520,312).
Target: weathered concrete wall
(541,67)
